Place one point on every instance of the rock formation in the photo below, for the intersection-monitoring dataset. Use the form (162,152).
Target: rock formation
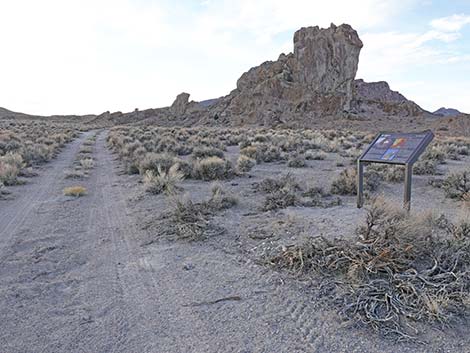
(315,80)
(312,86)
(376,98)
(180,104)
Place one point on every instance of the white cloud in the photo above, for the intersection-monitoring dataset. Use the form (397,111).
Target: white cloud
(451,23)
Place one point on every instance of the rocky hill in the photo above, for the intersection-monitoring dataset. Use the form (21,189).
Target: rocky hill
(314,85)
(447,112)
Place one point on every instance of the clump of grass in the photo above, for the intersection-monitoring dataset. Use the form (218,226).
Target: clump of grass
(397,270)
(163,181)
(245,164)
(76,191)
(212,168)
(220,199)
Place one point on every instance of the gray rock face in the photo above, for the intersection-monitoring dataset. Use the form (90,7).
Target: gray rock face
(180,104)
(379,91)
(315,80)
(326,60)
(377,99)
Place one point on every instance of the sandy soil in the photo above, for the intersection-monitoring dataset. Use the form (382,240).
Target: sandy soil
(93,274)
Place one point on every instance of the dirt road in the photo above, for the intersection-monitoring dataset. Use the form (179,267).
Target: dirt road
(74,278)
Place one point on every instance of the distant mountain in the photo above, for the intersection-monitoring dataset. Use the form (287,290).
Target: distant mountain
(208,102)
(447,112)
(5,113)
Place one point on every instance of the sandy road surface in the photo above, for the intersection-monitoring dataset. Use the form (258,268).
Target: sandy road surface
(74,278)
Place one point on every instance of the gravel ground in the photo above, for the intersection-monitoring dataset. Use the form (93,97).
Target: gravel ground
(92,274)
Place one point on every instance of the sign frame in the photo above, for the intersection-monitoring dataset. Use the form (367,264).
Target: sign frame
(408,164)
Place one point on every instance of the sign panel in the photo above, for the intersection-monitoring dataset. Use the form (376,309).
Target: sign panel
(393,148)
(397,148)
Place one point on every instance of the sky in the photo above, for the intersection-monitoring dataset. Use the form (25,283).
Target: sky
(91,56)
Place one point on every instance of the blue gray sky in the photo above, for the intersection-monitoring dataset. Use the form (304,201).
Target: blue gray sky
(89,56)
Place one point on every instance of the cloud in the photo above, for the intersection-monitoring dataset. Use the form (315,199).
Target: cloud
(452,23)
(418,63)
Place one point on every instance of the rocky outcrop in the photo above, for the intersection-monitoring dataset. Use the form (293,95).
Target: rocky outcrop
(376,98)
(313,81)
(180,104)
(312,86)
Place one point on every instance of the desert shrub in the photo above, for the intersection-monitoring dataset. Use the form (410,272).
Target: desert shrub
(457,185)
(436,153)
(296,161)
(87,163)
(281,193)
(154,161)
(425,167)
(8,173)
(396,270)
(37,153)
(204,152)
(220,199)
(86,149)
(74,174)
(390,173)
(76,191)
(315,156)
(212,168)
(271,185)
(262,153)
(245,164)
(346,182)
(163,181)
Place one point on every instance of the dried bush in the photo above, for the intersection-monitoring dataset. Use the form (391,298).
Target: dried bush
(212,168)
(315,156)
(296,161)
(191,221)
(163,181)
(76,191)
(87,163)
(220,199)
(204,152)
(245,164)
(399,269)
(425,167)
(281,192)
(346,182)
(74,174)
(155,161)
(457,185)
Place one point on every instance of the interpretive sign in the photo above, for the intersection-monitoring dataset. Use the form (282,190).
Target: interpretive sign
(393,148)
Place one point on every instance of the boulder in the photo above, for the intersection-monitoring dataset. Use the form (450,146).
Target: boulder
(180,104)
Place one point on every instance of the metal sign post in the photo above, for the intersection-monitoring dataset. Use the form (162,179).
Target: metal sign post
(393,148)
